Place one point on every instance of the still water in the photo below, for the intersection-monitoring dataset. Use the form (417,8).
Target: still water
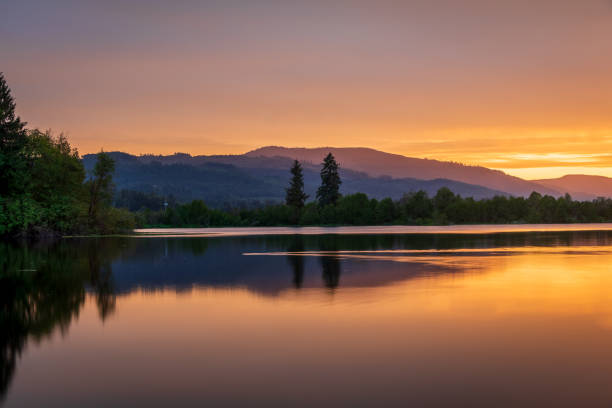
(401,319)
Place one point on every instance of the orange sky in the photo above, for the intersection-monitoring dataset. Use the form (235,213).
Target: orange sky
(512,85)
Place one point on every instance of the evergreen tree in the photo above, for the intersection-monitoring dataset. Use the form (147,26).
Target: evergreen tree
(329,191)
(100,187)
(13,141)
(295,196)
(41,183)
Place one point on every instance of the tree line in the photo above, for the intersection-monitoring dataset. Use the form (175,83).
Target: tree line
(44,189)
(414,208)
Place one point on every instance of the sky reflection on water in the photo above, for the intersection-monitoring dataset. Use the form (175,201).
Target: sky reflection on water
(481,320)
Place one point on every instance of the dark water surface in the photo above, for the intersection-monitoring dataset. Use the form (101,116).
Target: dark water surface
(512,319)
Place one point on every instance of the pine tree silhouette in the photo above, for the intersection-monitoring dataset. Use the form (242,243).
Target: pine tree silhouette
(295,193)
(329,191)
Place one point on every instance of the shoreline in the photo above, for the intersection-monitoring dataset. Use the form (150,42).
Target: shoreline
(368,230)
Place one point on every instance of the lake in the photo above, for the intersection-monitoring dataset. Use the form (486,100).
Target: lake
(381,316)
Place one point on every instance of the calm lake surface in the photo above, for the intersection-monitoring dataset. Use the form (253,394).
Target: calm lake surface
(509,316)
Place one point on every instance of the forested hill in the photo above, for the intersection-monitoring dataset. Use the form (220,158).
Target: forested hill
(375,163)
(580,186)
(220,180)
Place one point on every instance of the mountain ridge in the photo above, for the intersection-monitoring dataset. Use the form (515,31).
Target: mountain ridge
(376,163)
(262,175)
(233,179)
(580,186)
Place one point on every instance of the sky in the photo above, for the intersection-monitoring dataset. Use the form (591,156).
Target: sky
(522,86)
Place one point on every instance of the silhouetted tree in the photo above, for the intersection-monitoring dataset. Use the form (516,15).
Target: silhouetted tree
(385,211)
(354,209)
(41,177)
(100,186)
(443,199)
(329,191)
(295,196)
(416,206)
(56,177)
(13,141)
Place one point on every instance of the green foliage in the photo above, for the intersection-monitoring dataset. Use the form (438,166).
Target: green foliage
(17,210)
(385,211)
(42,190)
(416,207)
(41,183)
(138,200)
(102,218)
(443,199)
(55,181)
(354,209)
(13,141)
(329,215)
(329,191)
(413,209)
(18,214)
(116,220)
(50,195)
(194,214)
(100,187)
(310,215)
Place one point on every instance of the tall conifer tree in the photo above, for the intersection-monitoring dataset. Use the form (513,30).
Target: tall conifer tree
(101,187)
(13,142)
(329,191)
(295,196)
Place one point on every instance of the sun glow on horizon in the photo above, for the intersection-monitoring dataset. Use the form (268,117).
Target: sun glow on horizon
(413,78)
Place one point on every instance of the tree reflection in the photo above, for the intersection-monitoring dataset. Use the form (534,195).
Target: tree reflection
(43,288)
(297,261)
(330,263)
(101,275)
(331,271)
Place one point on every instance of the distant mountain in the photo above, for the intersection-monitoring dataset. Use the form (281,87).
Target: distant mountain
(580,186)
(216,183)
(377,163)
(234,179)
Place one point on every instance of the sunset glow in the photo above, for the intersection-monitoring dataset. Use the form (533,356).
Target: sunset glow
(516,86)
(305,203)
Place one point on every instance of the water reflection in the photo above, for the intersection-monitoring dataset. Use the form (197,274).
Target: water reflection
(296,245)
(43,289)
(330,266)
